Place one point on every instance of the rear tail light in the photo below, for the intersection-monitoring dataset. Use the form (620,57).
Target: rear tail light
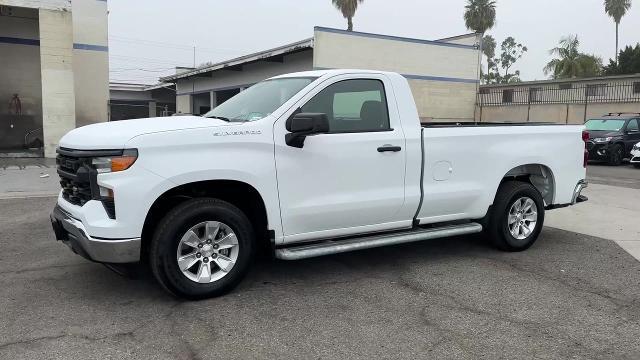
(585,138)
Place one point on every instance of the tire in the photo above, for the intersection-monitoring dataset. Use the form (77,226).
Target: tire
(499,229)
(181,233)
(615,155)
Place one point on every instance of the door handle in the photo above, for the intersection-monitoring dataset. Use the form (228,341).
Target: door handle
(389,148)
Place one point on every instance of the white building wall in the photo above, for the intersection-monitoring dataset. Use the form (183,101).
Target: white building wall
(467,39)
(444,76)
(91,61)
(71,45)
(58,97)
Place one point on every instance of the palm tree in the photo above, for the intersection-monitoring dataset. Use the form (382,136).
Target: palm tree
(489,49)
(348,9)
(480,15)
(570,62)
(617,9)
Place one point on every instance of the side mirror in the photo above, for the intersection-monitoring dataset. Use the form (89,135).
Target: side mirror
(301,125)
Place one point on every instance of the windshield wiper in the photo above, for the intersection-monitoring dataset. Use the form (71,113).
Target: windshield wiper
(218,117)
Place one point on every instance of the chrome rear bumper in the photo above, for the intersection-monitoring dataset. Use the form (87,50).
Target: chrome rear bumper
(577,197)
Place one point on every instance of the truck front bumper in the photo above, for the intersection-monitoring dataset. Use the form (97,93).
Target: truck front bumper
(73,234)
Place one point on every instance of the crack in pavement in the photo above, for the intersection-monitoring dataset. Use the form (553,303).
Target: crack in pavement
(121,334)
(604,293)
(22,271)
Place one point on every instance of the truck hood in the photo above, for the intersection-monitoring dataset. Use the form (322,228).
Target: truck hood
(114,135)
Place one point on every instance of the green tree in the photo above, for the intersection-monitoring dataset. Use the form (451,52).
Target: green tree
(617,9)
(628,62)
(480,15)
(500,68)
(570,62)
(512,51)
(348,9)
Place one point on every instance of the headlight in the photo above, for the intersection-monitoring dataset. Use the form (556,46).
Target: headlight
(115,163)
(602,140)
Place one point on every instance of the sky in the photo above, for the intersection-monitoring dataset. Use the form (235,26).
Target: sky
(148,38)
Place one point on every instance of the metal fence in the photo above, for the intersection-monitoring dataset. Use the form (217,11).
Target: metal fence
(560,94)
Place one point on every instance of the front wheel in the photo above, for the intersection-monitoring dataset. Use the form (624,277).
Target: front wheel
(202,248)
(517,216)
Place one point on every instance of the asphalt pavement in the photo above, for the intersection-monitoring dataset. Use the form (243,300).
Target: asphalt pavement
(623,176)
(570,296)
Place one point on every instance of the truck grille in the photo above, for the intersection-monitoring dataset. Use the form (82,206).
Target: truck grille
(75,179)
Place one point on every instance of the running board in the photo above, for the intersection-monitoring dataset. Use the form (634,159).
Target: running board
(341,246)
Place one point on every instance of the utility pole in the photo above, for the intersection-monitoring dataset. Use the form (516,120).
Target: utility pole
(193,83)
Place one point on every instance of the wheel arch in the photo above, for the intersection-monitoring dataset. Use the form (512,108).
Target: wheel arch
(539,175)
(241,194)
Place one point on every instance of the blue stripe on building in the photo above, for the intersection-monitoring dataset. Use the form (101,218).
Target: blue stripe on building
(439,78)
(35,42)
(90,47)
(19,41)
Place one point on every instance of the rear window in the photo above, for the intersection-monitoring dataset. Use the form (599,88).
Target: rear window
(605,124)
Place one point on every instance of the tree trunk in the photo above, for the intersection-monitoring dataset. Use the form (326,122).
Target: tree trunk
(617,51)
(349,24)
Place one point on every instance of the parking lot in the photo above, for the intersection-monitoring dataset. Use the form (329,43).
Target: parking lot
(571,295)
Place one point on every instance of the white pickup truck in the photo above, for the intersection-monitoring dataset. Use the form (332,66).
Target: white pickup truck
(304,165)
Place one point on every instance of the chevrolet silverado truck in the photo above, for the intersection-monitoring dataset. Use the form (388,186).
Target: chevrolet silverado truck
(304,165)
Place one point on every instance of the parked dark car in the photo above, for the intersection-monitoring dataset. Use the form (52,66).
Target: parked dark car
(611,137)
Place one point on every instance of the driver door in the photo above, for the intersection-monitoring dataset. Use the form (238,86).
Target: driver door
(341,183)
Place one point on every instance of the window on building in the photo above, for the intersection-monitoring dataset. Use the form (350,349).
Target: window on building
(636,87)
(596,89)
(352,105)
(565,86)
(535,94)
(507,96)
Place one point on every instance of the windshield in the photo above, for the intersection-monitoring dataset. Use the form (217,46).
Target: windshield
(605,124)
(260,100)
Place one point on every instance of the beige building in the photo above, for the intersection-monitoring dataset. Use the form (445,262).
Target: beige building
(443,74)
(567,101)
(54,71)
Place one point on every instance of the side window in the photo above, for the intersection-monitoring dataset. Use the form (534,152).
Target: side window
(633,125)
(352,106)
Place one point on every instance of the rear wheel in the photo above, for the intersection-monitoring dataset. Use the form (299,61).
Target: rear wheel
(615,155)
(516,217)
(202,248)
